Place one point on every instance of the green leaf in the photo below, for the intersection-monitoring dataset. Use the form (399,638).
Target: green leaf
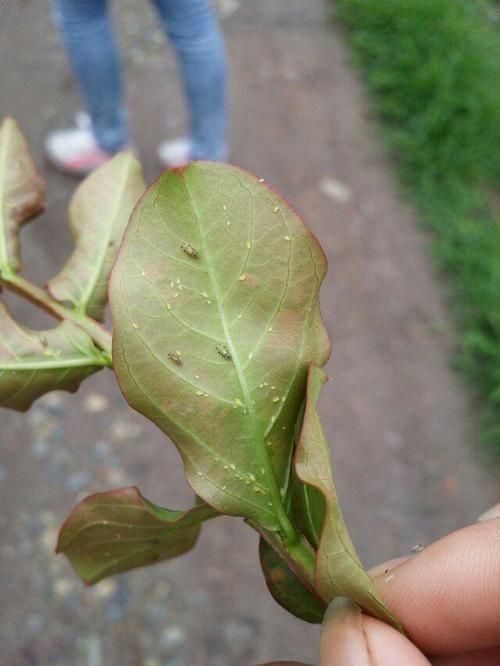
(339,571)
(308,510)
(99,212)
(214,346)
(287,589)
(33,363)
(120,530)
(22,192)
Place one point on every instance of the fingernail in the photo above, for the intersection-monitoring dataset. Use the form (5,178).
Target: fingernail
(342,638)
(494,512)
(342,609)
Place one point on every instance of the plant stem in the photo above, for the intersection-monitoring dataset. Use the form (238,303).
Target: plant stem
(42,299)
(299,556)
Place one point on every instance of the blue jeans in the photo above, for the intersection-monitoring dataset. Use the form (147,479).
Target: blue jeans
(193,30)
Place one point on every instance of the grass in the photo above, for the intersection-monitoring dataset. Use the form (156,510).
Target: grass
(433,68)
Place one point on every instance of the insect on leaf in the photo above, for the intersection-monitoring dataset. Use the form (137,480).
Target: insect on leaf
(99,212)
(119,530)
(22,192)
(33,363)
(243,317)
(287,589)
(339,571)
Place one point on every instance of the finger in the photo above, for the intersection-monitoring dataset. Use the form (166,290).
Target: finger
(349,638)
(488,657)
(448,596)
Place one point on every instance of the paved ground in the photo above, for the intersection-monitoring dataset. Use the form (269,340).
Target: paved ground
(399,421)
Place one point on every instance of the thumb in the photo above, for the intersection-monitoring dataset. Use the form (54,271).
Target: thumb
(349,638)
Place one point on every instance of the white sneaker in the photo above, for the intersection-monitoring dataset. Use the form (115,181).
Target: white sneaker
(75,151)
(176,153)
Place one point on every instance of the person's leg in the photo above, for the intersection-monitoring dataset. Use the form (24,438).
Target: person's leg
(88,38)
(194,32)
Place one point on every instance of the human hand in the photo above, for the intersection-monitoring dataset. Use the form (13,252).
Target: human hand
(447,597)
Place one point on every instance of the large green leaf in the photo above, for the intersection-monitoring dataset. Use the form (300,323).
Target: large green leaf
(287,589)
(214,299)
(22,192)
(339,571)
(33,363)
(99,212)
(119,530)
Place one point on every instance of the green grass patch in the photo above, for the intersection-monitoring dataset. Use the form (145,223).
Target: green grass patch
(433,68)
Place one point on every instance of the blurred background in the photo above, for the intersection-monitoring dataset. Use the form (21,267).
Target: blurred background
(405,428)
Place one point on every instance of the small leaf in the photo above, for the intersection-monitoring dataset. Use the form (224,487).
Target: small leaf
(214,348)
(119,530)
(339,571)
(22,192)
(287,589)
(99,212)
(33,363)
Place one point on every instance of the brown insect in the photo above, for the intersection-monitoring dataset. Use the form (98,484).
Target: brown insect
(189,250)
(224,352)
(175,358)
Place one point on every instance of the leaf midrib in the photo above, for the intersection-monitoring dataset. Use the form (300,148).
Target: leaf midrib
(259,437)
(51,365)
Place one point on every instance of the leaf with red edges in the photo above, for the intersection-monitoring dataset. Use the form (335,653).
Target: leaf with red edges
(287,589)
(119,530)
(22,192)
(215,304)
(339,571)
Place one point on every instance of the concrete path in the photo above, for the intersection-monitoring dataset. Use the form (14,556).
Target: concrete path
(400,423)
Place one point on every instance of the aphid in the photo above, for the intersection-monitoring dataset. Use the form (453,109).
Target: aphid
(224,351)
(175,358)
(189,250)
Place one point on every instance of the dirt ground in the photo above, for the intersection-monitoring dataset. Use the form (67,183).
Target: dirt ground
(401,424)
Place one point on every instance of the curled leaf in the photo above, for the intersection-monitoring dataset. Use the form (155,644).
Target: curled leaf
(99,212)
(339,571)
(214,348)
(22,192)
(119,530)
(287,589)
(33,363)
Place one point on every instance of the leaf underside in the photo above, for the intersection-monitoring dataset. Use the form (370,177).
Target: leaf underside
(22,192)
(116,531)
(286,588)
(33,363)
(214,298)
(339,571)
(99,212)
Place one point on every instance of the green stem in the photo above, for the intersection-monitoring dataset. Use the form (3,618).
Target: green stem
(42,299)
(299,556)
